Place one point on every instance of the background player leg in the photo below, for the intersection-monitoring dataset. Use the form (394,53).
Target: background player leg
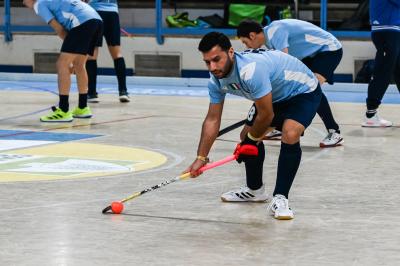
(91,68)
(62,113)
(82,111)
(333,138)
(324,111)
(120,70)
(384,66)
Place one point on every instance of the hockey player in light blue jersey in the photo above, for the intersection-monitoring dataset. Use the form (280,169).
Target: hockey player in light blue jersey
(318,49)
(286,95)
(79,26)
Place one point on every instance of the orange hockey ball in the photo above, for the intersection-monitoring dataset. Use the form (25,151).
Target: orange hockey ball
(117,207)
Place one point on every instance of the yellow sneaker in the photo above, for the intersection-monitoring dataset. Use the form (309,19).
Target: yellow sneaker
(82,113)
(57,115)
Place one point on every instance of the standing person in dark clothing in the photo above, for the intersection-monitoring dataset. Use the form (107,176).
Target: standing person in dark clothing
(385,22)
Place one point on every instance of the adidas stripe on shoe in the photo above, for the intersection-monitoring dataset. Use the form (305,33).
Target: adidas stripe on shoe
(245,194)
(279,208)
(57,115)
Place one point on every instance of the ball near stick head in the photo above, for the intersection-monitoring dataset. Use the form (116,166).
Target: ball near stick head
(117,207)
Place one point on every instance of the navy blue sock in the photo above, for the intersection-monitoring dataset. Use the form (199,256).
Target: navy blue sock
(91,69)
(325,112)
(288,163)
(63,103)
(254,169)
(82,100)
(120,70)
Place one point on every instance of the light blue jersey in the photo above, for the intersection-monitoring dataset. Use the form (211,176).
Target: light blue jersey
(259,72)
(302,38)
(69,13)
(104,5)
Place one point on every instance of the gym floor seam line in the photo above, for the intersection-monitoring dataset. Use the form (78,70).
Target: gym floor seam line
(35,88)
(76,126)
(24,115)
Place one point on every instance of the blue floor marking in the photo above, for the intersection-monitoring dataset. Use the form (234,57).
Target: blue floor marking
(43,136)
(340,92)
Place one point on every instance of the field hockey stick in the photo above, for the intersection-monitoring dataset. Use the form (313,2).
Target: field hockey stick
(126,33)
(231,127)
(241,150)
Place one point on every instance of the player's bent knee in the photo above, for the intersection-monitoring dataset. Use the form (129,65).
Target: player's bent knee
(291,136)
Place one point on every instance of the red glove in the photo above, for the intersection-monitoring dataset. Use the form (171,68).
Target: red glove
(246,148)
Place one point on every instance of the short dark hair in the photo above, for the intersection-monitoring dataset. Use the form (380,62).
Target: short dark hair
(212,39)
(247,26)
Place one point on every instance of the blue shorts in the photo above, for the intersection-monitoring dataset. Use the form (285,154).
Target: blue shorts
(324,63)
(112,28)
(301,108)
(82,39)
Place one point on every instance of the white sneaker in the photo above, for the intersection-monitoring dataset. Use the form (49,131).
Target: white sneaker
(376,121)
(279,208)
(273,135)
(93,98)
(124,98)
(333,139)
(245,194)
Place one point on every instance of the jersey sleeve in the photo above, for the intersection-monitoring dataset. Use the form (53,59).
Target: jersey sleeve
(44,12)
(278,38)
(257,78)
(216,95)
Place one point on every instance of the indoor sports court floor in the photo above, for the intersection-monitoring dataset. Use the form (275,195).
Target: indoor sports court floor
(56,178)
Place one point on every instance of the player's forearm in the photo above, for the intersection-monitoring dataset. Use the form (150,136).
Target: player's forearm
(209,133)
(58,28)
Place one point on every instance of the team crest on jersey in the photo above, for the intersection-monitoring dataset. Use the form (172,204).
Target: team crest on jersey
(234,86)
(231,87)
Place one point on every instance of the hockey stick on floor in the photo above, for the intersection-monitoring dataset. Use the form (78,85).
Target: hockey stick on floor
(243,150)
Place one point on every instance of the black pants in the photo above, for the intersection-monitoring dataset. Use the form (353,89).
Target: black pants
(387,64)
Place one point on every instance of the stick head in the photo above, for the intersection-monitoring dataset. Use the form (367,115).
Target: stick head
(106,209)
(246,149)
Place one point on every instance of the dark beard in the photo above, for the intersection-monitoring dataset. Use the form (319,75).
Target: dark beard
(227,69)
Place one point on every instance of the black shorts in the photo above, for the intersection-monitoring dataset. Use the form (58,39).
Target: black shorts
(112,28)
(324,63)
(82,39)
(301,108)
